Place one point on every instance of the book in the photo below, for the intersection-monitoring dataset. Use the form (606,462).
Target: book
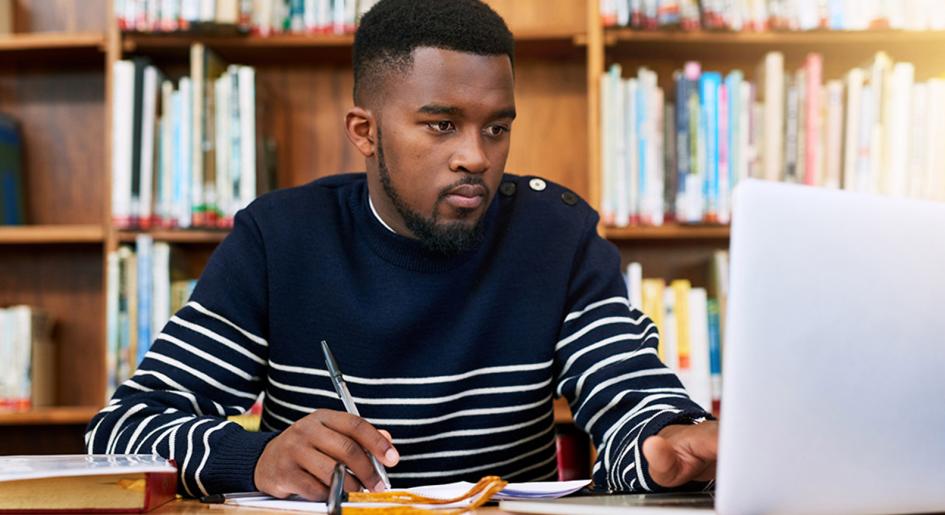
(12,196)
(28,357)
(85,483)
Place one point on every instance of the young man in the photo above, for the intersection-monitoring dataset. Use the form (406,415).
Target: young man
(458,302)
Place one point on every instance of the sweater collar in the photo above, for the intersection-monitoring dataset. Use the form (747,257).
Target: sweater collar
(407,252)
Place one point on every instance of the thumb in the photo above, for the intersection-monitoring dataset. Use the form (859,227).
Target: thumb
(665,466)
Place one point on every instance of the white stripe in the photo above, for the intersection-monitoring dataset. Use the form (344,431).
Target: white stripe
(206,454)
(302,389)
(415,380)
(183,392)
(190,451)
(441,473)
(296,407)
(217,338)
(642,336)
(462,413)
(623,377)
(613,300)
(472,432)
(154,446)
(207,356)
(113,439)
(263,423)
(637,411)
(636,457)
(594,325)
(138,430)
(177,421)
(280,418)
(90,435)
(553,476)
(535,466)
(622,357)
(202,376)
(640,404)
(637,430)
(481,450)
(209,313)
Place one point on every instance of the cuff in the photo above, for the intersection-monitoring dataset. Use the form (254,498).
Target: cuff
(655,426)
(233,461)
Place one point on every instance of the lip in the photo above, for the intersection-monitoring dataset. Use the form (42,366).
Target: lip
(466,196)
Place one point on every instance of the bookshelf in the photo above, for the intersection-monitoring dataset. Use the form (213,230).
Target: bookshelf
(55,77)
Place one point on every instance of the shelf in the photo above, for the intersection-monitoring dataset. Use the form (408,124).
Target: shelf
(178,235)
(61,416)
(292,47)
(668,232)
(708,45)
(52,41)
(50,234)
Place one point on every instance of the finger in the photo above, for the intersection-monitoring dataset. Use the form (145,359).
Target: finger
(322,468)
(304,484)
(386,435)
(664,465)
(365,434)
(342,449)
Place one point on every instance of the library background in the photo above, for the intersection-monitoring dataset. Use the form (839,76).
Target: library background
(131,131)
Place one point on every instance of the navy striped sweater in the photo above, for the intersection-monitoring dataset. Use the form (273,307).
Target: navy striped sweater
(458,358)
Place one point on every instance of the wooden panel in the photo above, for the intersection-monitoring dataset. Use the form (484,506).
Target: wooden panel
(530,16)
(59,15)
(66,282)
(61,112)
(75,415)
(669,232)
(549,137)
(669,259)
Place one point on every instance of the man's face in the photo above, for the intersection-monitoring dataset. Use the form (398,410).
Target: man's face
(442,143)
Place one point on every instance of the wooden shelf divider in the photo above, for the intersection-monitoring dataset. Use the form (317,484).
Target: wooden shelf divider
(51,234)
(53,41)
(178,235)
(63,415)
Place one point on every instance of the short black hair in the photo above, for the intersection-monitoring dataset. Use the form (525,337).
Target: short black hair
(392,29)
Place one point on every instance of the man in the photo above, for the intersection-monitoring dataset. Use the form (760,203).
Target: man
(457,300)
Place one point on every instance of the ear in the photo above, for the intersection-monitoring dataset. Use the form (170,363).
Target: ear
(360,127)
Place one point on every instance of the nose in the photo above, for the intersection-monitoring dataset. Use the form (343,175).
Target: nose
(470,156)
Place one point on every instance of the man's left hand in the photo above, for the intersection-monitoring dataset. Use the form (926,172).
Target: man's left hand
(679,454)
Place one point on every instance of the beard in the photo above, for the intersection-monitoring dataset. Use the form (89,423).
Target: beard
(450,238)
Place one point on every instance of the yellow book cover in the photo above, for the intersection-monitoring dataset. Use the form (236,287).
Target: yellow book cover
(681,288)
(653,304)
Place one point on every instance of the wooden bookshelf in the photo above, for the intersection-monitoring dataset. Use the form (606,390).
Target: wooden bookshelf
(59,416)
(59,41)
(51,234)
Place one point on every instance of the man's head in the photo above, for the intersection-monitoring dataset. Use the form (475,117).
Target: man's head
(433,108)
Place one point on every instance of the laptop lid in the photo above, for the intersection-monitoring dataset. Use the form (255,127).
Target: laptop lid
(834,360)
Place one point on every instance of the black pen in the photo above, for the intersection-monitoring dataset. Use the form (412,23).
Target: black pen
(342,389)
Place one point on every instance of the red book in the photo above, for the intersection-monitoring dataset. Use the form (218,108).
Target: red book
(123,483)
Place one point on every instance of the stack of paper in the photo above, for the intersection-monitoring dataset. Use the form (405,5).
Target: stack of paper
(536,490)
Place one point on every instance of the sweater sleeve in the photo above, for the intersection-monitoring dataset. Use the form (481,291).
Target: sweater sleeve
(607,367)
(208,363)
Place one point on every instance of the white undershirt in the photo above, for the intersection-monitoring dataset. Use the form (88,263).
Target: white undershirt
(378,216)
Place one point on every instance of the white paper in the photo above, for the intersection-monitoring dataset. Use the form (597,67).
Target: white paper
(15,468)
(533,490)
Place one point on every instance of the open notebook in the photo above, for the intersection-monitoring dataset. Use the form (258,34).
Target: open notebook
(535,490)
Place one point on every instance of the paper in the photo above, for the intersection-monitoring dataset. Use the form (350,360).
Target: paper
(14,468)
(534,490)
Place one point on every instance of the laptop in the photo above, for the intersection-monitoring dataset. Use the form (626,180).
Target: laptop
(833,397)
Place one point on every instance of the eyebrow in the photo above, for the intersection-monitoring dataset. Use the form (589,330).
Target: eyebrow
(440,109)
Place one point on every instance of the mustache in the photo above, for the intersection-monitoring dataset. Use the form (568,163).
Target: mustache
(469,179)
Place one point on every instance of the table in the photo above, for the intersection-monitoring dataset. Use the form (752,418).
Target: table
(192,507)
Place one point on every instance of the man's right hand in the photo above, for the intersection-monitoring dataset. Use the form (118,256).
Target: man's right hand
(302,458)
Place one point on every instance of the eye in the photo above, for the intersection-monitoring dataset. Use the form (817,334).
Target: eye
(497,130)
(441,126)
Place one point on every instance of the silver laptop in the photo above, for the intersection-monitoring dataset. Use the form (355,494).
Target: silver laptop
(834,361)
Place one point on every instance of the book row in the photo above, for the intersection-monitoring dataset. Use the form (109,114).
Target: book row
(690,321)
(143,291)
(262,17)
(783,15)
(185,154)
(27,359)
(677,154)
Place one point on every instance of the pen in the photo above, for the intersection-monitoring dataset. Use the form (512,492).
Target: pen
(342,389)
